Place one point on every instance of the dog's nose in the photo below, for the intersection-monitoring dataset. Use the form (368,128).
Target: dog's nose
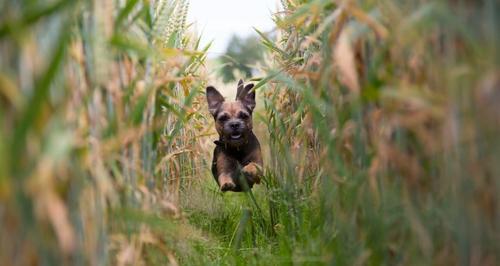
(234,125)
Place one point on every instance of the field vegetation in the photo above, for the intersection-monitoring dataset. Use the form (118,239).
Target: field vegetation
(379,122)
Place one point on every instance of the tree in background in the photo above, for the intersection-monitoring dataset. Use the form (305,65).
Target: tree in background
(241,54)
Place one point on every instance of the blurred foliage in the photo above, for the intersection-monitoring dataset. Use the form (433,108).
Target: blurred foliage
(384,132)
(242,55)
(380,127)
(93,99)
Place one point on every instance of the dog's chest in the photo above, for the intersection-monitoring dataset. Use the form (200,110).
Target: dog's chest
(242,156)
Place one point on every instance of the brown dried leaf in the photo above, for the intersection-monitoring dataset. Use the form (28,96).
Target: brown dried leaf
(344,59)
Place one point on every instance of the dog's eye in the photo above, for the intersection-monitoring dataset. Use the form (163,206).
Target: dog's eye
(223,118)
(242,115)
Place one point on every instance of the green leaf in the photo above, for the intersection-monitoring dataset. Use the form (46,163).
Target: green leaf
(38,98)
(123,42)
(124,12)
(31,16)
(138,110)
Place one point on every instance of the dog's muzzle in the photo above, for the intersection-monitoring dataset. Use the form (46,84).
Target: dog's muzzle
(235,130)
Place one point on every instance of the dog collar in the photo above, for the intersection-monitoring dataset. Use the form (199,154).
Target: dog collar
(219,143)
(223,144)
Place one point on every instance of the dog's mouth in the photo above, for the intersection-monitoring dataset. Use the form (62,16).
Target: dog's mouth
(236,135)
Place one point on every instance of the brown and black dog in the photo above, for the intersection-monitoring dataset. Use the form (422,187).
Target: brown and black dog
(237,160)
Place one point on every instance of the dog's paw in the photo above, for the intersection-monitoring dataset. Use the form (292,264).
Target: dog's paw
(250,169)
(229,186)
(226,183)
(252,173)
(254,179)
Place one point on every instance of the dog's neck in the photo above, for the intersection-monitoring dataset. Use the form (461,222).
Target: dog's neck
(223,144)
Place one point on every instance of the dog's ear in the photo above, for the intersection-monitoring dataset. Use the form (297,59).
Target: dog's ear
(214,100)
(247,96)
(239,89)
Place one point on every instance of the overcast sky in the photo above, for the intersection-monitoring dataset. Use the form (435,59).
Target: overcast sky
(218,20)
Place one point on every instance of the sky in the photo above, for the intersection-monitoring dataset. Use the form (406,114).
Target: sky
(218,20)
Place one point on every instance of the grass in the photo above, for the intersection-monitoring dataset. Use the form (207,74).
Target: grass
(379,125)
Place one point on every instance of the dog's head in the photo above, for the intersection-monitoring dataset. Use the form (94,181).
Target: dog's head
(233,120)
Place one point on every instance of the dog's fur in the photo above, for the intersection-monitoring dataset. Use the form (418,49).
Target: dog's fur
(237,161)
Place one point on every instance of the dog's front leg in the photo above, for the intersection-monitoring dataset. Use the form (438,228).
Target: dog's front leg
(252,172)
(253,169)
(226,168)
